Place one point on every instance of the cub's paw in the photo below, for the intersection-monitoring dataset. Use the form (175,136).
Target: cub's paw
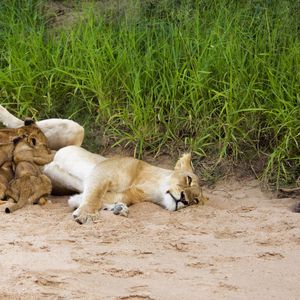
(44,201)
(120,209)
(81,216)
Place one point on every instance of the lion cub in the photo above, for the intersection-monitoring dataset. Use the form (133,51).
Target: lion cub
(39,153)
(29,184)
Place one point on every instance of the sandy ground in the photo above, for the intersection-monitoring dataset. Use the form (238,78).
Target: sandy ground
(243,244)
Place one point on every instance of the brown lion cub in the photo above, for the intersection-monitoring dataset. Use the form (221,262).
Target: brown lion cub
(38,153)
(29,184)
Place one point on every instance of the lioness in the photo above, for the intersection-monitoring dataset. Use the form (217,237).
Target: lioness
(116,183)
(29,184)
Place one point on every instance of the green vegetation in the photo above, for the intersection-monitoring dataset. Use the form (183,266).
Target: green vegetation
(220,78)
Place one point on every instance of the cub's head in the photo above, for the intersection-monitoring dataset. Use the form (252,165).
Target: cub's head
(184,186)
(31,145)
(33,132)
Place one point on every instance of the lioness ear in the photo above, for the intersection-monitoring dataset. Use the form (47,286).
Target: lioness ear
(184,163)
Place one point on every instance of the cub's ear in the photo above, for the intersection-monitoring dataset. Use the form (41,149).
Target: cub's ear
(28,121)
(184,163)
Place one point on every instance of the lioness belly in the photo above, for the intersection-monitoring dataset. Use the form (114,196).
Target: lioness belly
(70,168)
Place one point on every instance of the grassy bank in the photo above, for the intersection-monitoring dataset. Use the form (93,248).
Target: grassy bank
(216,77)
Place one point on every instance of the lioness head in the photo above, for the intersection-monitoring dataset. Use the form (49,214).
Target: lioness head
(184,186)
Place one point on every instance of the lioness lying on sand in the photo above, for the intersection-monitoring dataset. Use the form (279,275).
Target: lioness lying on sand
(116,183)
(29,184)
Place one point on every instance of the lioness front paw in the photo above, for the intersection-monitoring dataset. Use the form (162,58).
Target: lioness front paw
(121,209)
(81,216)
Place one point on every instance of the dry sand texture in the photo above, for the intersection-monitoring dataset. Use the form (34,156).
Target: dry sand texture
(243,244)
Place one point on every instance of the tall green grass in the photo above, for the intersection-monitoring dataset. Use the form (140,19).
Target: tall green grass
(220,78)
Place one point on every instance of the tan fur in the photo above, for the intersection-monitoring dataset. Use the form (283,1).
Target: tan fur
(39,154)
(8,134)
(25,148)
(6,175)
(128,181)
(29,184)
(6,152)
(28,190)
